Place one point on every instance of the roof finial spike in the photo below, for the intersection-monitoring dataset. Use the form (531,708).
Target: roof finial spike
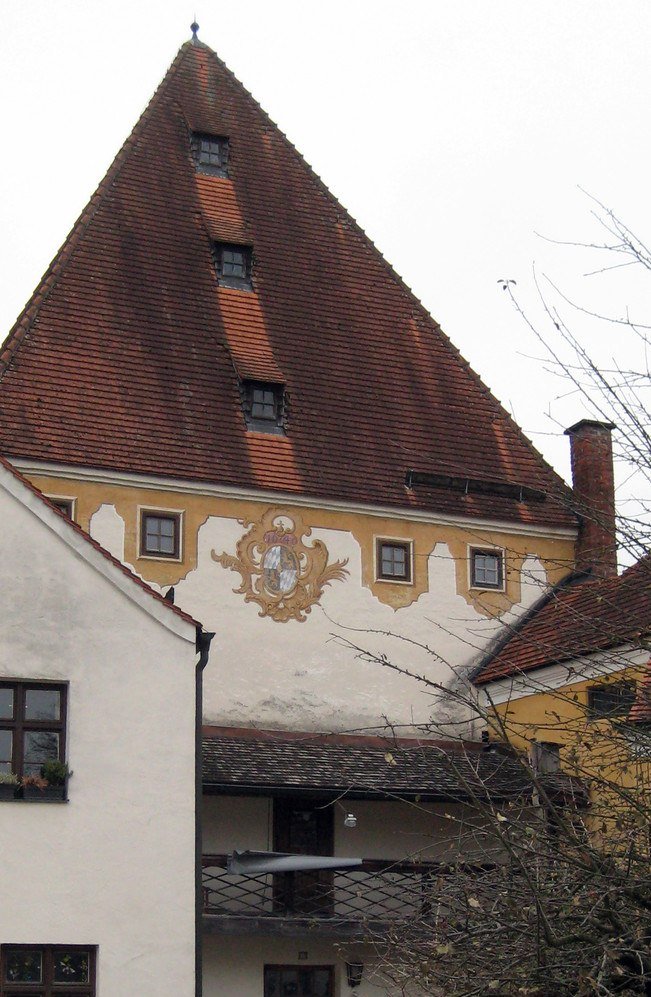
(194,27)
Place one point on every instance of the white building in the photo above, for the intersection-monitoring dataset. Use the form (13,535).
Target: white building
(98,672)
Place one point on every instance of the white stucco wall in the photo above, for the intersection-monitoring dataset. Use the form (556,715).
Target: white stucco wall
(234,966)
(386,829)
(113,867)
(302,676)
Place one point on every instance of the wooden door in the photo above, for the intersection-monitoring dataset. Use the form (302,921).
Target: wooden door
(304,827)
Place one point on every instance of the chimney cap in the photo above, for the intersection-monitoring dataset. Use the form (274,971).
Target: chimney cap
(586,423)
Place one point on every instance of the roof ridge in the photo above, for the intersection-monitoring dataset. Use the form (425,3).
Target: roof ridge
(503,639)
(23,324)
(94,543)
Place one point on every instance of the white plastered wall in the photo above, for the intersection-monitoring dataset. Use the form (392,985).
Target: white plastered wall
(113,867)
(386,829)
(302,675)
(234,966)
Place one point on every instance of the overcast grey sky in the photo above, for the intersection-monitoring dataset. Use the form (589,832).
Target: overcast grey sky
(452,130)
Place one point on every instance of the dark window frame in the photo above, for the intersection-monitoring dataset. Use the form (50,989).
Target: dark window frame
(64,504)
(396,544)
(168,515)
(222,150)
(297,968)
(48,987)
(257,423)
(498,554)
(621,695)
(545,757)
(243,282)
(19,724)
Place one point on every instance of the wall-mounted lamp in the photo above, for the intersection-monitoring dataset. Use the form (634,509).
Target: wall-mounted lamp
(354,972)
(350,820)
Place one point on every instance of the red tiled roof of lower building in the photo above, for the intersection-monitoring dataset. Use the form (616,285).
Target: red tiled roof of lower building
(640,712)
(578,617)
(127,356)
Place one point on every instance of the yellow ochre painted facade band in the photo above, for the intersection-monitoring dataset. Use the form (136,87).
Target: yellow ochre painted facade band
(556,554)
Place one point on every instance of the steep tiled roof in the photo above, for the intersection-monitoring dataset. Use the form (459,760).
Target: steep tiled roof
(272,762)
(578,617)
(75,528)
(128,354)
(640,712)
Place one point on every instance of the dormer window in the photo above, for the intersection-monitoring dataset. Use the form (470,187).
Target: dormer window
(233,265)
(264,404)
(210,153)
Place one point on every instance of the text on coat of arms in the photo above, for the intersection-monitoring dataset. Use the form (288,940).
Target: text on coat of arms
(280,572)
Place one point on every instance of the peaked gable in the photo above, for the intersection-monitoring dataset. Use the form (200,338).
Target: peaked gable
(130,356)
(83,545)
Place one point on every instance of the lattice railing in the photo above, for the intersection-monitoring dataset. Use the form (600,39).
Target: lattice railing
(378,890)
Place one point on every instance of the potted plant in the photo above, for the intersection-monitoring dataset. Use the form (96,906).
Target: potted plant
(8,785)
(33,787)
(50,785)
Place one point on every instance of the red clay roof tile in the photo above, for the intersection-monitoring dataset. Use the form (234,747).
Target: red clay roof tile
(640,712)
(127,355)
(578,618)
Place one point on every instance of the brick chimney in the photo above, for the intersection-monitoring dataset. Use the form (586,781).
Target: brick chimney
(594,493)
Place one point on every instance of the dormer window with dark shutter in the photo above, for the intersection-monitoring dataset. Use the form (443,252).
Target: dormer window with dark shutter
(264,405)
(210,153)
(233,265)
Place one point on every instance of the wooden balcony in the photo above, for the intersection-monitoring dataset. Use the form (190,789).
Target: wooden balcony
(367,900)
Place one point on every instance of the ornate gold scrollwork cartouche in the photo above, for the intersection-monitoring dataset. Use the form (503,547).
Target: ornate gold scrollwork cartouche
(280,572)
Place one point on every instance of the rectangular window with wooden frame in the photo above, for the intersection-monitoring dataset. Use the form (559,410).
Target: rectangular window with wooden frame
(210,153)
(264,406)
(48,970)
(300,981)
(610,699)
(233,265)
(486,568)
(32,726)
(160,534)
(393,560)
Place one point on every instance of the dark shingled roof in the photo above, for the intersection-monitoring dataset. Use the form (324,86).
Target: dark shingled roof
(321,764)
(580,617)
(127,356)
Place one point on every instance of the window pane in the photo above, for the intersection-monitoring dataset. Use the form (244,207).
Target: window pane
(71,967)
(611,700)
(322,983)
(6,739)
(160,535)
(271,983)
(24,966)
(6,703)
(39,745)
(42,704)
(487,569)
(166,545)
(289,983)
(394,561)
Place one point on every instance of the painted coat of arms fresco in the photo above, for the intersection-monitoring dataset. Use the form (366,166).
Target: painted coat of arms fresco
(280,572)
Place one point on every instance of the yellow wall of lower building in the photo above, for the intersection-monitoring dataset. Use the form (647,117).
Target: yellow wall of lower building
(556,554)
(596,751)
